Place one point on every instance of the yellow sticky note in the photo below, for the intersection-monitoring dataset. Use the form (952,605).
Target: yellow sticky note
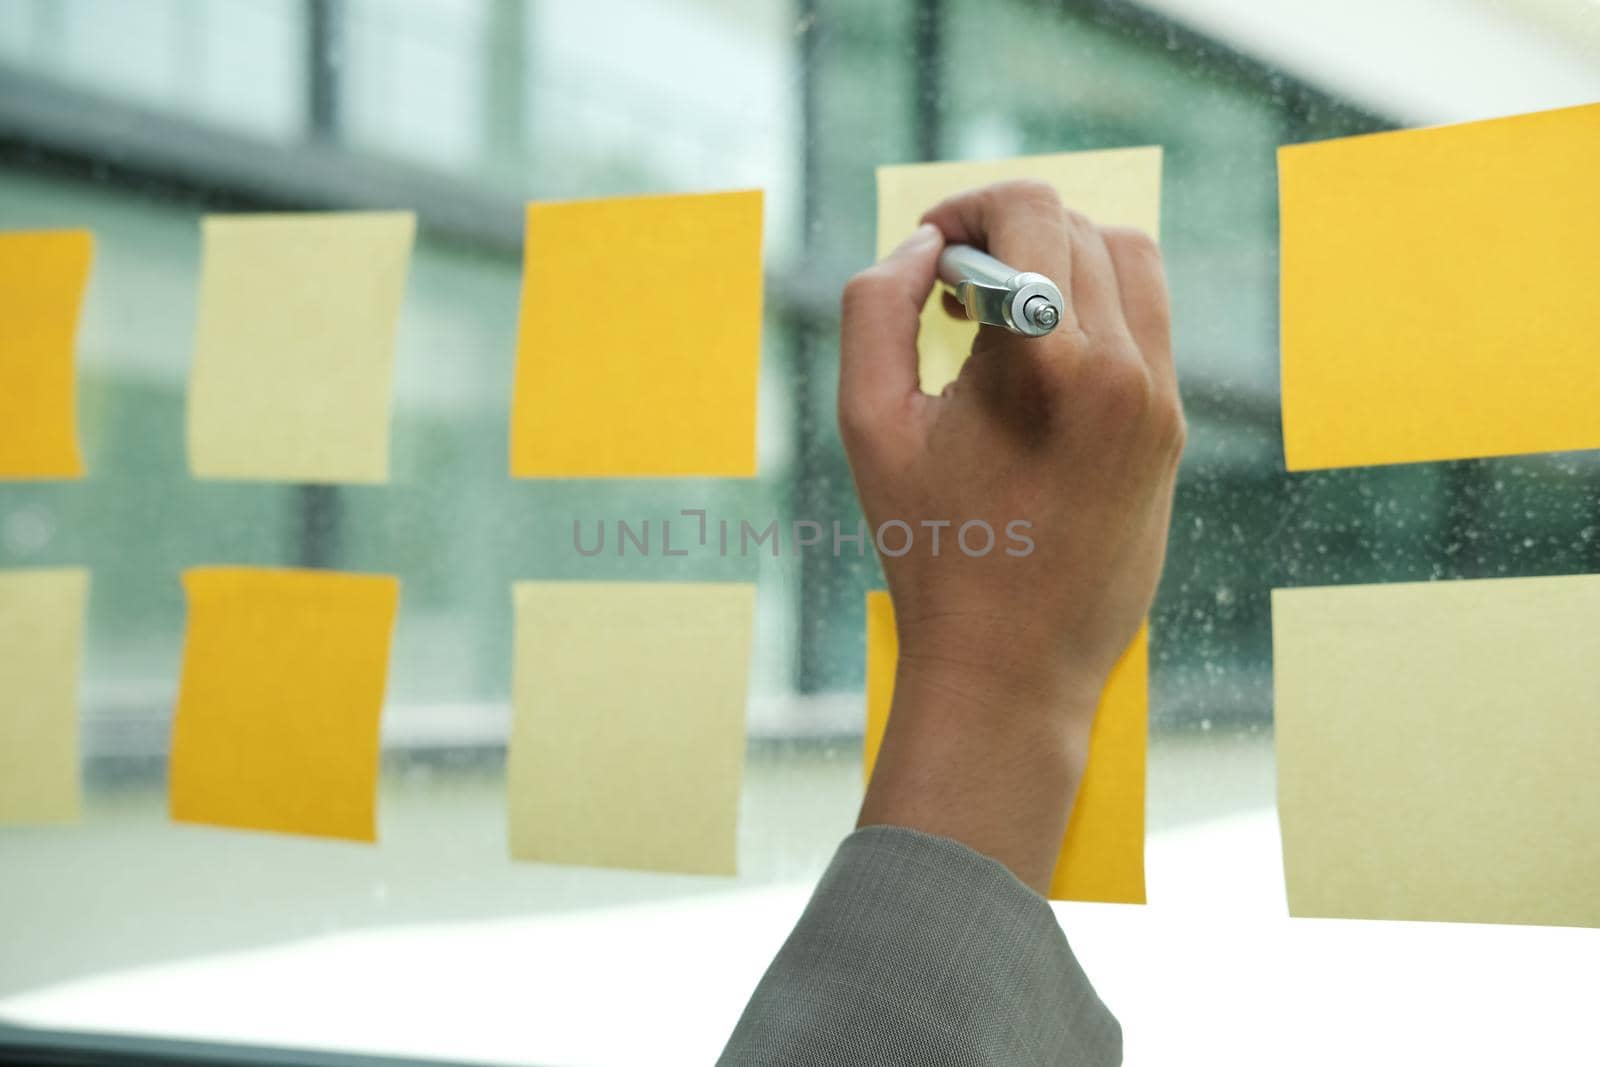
(280,700)
(883,657)
(627,739)
(294,350)
(42,278)
(1102,854)
(1439,292)
(41,657)
(1437,745)
(1114,187)
(640,338)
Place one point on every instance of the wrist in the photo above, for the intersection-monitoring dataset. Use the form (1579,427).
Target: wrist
(1000,669)
(993,764)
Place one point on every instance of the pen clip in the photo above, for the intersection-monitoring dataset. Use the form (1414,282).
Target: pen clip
(984,303)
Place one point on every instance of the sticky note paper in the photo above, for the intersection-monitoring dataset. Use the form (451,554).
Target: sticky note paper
(1114,187)
(280,700)
(294,351)
(1102,854)
(41,658)
(1437,745)
(628,730)
(42,279)
(1439,292)
(640,338)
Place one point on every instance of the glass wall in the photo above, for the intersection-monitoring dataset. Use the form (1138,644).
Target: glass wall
(134,120)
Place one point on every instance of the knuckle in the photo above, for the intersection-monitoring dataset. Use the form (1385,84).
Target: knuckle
(1125,385)
(1032,192)
(864,288)
(1133,242)
(1079,222)
(1172,428)
(1155,314)
(854,419)
(1071,338)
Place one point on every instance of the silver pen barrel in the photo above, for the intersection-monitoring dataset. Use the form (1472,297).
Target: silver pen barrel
(991,292)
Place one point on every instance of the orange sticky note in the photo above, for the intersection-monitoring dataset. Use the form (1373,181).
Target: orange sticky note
(640,339)
(42,278)
(1102,854)
(1439,292)
(279,704)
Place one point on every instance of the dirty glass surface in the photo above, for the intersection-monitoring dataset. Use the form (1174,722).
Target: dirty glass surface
(135,119)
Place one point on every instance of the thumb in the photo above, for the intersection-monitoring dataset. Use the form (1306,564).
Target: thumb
(880,313)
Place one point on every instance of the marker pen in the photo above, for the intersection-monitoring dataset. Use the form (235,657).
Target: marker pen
(1020,301)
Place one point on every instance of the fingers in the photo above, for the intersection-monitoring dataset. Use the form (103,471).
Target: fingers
(1024,224)
(1095,295)
(881,310)
(1142,283)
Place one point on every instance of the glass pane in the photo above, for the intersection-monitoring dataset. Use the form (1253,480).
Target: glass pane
(136,120)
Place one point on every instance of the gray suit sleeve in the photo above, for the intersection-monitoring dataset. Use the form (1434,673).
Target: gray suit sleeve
(917,950)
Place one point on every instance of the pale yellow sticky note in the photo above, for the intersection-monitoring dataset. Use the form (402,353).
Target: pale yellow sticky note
(280,700)
(627,741)
(42,278)
(294,350)
(1437,745)
(1439,292)
(640,339)
(1114,187)
(41,657)
(1102,854)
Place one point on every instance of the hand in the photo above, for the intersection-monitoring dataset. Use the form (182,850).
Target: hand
(1070,443)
